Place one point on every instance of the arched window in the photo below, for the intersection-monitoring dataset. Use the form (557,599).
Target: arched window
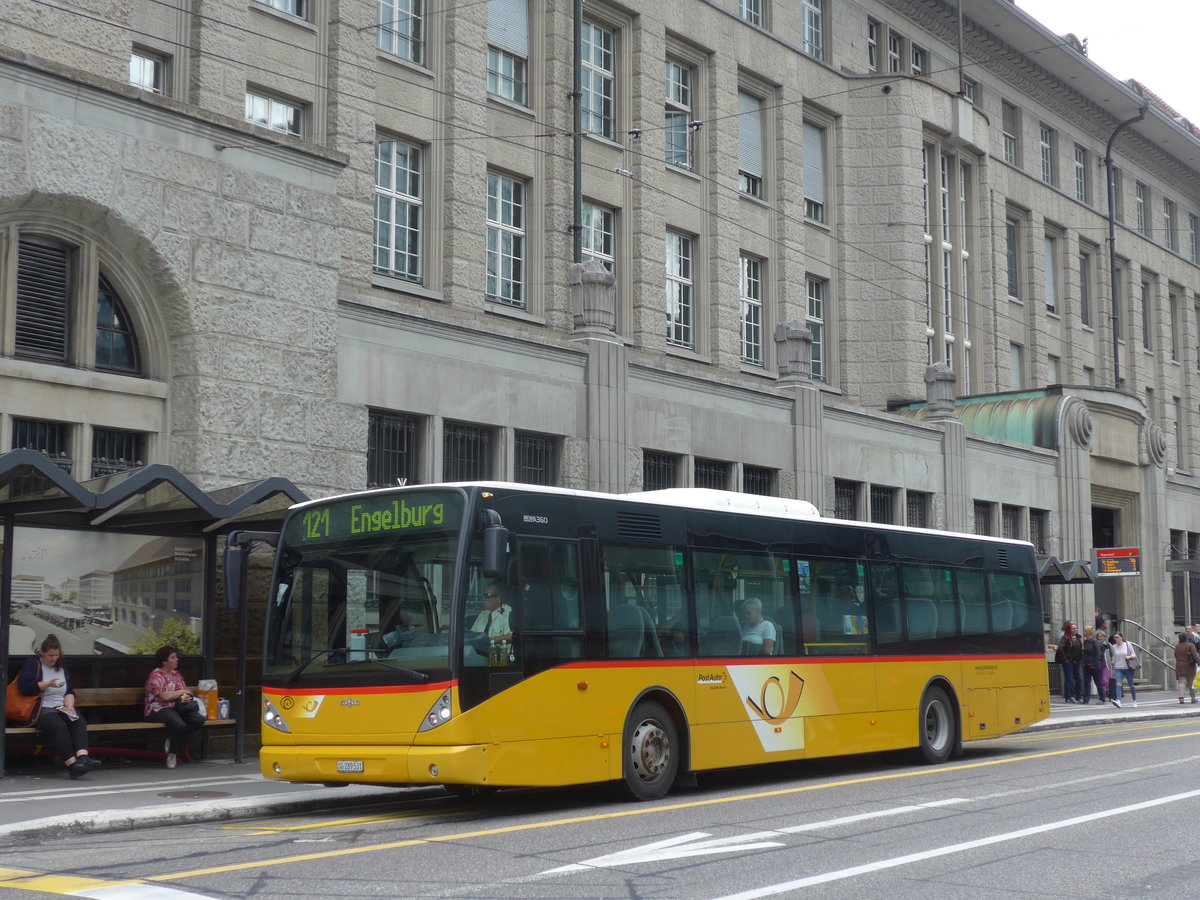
(116,343)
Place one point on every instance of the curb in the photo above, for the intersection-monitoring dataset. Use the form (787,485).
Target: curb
(104,821)
(1111,719)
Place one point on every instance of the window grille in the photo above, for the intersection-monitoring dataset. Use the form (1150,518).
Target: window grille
(466,452)
(116,451)
(535,458)
(1010,522)
(916,513)
(845,499)
(758,480)
(51,439)
(1039,529)
(659,471)
(983,517)
(392,450)
(712,473)
(883,505)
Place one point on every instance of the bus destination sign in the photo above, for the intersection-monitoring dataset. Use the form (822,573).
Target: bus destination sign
(368,515)
(1117,561)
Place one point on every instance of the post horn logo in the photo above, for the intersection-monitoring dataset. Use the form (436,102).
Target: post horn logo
(775,704)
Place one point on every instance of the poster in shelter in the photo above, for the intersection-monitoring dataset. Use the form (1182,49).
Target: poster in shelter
(106,594)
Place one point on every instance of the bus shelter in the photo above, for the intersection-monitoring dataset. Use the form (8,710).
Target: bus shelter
(115,564)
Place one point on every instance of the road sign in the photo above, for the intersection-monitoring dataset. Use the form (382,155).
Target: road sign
(1119,562)
(1183,565)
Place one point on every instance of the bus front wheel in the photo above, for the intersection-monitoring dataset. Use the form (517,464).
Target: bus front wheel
(936,726)
(651,752)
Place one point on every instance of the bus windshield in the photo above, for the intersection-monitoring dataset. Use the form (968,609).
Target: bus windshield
(363,590)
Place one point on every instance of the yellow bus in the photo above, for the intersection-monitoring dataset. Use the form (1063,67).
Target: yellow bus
(490,635)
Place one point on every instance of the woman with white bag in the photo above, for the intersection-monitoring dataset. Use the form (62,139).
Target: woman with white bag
(1125,665)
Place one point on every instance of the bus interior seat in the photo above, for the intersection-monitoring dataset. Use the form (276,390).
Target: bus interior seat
(626,631)
(922,618)
(650,633)
(565,603)
(974,618)
(723,638)
(1002,616)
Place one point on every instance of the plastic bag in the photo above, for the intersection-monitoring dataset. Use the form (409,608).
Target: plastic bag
(206,696)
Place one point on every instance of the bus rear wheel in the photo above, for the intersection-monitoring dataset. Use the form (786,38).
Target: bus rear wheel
(650,752)
(936,725)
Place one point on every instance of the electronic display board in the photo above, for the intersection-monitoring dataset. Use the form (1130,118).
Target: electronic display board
(1116,561)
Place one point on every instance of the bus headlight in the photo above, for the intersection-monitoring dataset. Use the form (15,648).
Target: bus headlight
(439,714)
(272,718)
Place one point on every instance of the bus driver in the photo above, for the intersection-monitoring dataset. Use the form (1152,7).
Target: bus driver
(493,621)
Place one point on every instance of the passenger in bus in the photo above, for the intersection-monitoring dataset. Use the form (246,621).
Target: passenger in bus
(404,634)
(57,718)
(758,635)
(169,700)
(494,622)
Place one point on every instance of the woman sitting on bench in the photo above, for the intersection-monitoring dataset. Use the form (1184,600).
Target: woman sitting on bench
(58,718)
(169,700)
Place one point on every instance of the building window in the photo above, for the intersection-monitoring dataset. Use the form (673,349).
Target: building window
(399,209)
(711,473)
(1016,367)
(845,498)
(678,115)
(1193,238)
(659,471)
(1181,442)
(895,59)
(1046,152)
(872,45)
(275,114)
(1114,173)
(919,57)
(1010,118)
(1083,176)
(983,517)
(466,452)
(758,480)
(916,509)
(814,172)
(750,145)
(116,344)
(505,240)
(679,289)
(1010,522)
(51,439)
(598,80)
(1118,304)
(751,296)
(1173,330)
(116,451)
(393,449)
(508,49)
(1050,261)
(814,28)
(1053,370)
(883,505)
(535,458)
(296,8)
(599,234)
(970,90)
(47,311)
(1140,203)
(1085,288)
(752,11)
(817,289)
(401,29)
(1169,225)
(1147,315)
(1039,529)
(1012,255)
(148,71)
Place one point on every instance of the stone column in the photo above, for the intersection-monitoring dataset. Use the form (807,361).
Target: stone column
(1074,505)
(594,311)
(940,391)
(793,343)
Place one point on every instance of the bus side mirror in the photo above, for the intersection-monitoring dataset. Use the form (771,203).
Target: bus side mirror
(495,551)
(235,572)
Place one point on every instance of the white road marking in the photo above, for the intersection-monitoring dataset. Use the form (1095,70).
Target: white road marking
(159,786)
(896,861)
(138,892)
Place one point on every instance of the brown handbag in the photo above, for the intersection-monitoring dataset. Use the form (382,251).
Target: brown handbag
(23,709)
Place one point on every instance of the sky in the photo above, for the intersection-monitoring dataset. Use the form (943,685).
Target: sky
(1154,41)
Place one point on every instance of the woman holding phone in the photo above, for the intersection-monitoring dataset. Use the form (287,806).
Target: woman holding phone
(58,719)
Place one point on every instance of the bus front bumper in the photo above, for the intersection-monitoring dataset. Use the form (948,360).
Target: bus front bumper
(373,764)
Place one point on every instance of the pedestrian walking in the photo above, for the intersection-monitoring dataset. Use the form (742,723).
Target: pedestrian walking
(1186,660)
(1093,656)
(1071,647)
(1124,659)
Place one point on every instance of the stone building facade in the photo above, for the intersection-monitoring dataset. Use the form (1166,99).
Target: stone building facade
(333,240)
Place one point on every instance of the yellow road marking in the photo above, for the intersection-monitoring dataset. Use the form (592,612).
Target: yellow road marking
(57,884)
(20,880)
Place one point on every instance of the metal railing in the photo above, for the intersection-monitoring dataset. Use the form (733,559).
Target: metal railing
(1168,664)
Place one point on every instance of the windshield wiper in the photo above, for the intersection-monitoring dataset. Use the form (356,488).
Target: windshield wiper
(295,673)
(418,677)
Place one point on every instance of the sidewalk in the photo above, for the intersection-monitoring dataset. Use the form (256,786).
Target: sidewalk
(124,794)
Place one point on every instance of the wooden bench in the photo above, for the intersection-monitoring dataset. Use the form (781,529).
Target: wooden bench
(121,698)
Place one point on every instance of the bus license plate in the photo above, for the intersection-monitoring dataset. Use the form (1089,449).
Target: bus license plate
(350,765)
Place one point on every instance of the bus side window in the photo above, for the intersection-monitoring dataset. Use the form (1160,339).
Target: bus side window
(1016,611)
(885,594)
(643,592)
(972,601)
(549,599)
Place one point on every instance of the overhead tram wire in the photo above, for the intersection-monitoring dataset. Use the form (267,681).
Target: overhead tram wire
(475,134)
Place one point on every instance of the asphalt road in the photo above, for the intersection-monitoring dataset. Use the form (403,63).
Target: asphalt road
(1081,812)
